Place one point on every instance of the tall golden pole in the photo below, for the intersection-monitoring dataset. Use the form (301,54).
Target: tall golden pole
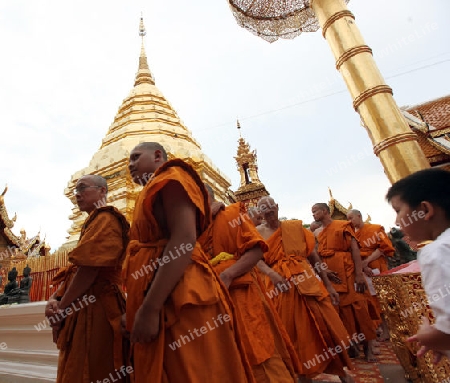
(393,141)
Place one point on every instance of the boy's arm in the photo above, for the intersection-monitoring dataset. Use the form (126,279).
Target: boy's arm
(430,338)
(180,216)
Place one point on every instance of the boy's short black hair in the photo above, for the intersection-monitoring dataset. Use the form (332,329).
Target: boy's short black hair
(432,185)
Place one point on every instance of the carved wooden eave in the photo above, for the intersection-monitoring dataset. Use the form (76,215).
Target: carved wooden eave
(338,211)
(4,216)
(12,240)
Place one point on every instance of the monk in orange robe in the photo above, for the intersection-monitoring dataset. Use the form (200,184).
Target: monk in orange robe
(375,246)
(235,247)
(179,313)
(339,249)
(304,303)
(86,310)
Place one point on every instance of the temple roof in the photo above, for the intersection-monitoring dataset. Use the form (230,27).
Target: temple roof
(338,211)
(26,246)
(431,123)
(6,223)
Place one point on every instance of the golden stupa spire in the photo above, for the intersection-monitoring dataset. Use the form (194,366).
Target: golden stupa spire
(143,75)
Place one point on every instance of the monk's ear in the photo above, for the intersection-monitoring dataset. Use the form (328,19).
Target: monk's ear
(158,155)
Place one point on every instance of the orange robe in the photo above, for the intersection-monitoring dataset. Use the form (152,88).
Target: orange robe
(334,248)
(90,341)
(265,341)
(372,237)
(181,353)
(305,307)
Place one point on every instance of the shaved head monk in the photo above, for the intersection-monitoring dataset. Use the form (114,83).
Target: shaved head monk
(234,250)
(86,310)
(179,314)
(375,247)
(304,303)
(339,249)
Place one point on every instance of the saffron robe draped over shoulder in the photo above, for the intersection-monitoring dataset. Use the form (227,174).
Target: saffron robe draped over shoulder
(265,341)
(196,303)
(90,340)
(372,237)
(305,307)
(334,246)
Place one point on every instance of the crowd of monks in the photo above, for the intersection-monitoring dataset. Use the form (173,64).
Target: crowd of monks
(196,291)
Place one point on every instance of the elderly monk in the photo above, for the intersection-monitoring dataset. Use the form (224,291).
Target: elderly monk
(86,310)
(338,247)
(375,246)
(305,304)
(179,313)
(234,250)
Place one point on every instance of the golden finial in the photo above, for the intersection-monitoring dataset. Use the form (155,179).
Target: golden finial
(331,194)
(142,31)
(239,127)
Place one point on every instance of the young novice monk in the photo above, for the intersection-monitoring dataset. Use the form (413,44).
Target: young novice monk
(422,203)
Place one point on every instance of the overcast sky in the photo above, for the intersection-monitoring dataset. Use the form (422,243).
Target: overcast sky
(66,66)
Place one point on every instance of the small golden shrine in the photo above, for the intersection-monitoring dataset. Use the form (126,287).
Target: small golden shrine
(145,115)
(430,121)
(251,189)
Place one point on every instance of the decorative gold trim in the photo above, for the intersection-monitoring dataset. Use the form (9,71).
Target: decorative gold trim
(350,53)
(369,93)
(394,140)
(335,17)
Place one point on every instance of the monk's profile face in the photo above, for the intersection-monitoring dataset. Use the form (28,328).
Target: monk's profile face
(88,194)
(143,163)
(318,213)
(268,209)
(354,219)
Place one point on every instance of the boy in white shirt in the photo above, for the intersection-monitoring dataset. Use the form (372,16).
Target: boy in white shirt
(422,203)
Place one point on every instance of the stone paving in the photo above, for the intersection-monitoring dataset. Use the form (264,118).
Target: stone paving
(387,369)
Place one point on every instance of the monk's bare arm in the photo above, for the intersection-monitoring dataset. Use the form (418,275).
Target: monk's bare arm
(247,261)
(83,279)
(322,270)
(278,280)
(372,257)
(356,256)
(180,216)
(320,267)
(264,268)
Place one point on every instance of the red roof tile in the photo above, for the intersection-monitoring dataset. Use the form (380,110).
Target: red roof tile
(435,112)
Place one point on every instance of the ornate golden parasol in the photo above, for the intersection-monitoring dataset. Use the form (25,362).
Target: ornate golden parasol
(272,20)
(393,141)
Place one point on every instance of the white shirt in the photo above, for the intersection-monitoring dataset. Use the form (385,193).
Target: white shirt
(434,260)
